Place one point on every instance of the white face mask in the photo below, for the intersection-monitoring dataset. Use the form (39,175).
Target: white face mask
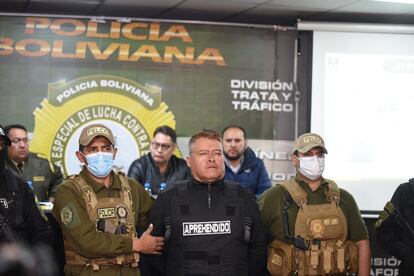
(311,166)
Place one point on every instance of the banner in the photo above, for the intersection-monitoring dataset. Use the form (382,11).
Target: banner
(60,74)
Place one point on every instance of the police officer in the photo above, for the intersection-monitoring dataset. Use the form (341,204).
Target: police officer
(99,210)
(211,227)
(34,168)
(20,220)
(395,227)
(316,228)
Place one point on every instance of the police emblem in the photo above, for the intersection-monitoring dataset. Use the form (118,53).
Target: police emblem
(121,212)
(66,215)
(317,228)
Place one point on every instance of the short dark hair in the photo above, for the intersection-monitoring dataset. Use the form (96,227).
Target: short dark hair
(166,130)
(206,133)
(234,126)
(9,127)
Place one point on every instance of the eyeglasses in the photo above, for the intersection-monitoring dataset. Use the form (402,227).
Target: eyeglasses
(18,140)
(156,146)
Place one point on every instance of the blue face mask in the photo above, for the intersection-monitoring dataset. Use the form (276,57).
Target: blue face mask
(100,163)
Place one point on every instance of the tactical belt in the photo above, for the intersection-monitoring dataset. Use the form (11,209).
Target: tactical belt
(127,260)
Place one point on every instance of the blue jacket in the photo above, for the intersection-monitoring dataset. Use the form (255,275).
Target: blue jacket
(252,174)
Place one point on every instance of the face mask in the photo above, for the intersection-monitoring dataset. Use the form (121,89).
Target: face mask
(311,166)
(100,163)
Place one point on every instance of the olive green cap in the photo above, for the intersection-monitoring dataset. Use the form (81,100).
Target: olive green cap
(308,141)
(95,130)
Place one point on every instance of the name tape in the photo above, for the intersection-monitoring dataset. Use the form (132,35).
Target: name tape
(206,228)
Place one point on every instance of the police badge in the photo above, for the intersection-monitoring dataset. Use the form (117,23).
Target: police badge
(121,212)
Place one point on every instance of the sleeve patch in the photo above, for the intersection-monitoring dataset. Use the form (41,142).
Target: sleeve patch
(69,216)
(381,218)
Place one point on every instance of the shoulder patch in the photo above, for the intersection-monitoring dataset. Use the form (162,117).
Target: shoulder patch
(69,216)
(381,218)
(66,215)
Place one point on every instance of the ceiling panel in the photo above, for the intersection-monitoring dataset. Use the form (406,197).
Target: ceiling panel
(143,3)
(313,4)
(215,5)
(275,12)
(60,8)
(212,10)
(376,7)
(129,11)
(12,6)
(195,15)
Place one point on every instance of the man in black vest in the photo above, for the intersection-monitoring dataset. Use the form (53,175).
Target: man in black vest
(211,226)
(20,220)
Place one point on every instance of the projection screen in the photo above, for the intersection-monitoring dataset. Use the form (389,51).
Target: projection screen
(363,105)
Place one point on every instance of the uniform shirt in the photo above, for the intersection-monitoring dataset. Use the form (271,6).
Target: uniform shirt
(272,201)
(43,176)
(81,231)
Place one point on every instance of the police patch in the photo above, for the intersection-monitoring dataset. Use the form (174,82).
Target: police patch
(206,228)
(66,215)
(121,212)
(104,213)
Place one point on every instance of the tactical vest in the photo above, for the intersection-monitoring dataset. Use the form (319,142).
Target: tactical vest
(111,215)
(207,241)
(323,230)
(14,210)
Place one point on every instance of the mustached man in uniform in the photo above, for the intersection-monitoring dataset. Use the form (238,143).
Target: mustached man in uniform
(99,211)
(316,227)
(211,226)
(38,172)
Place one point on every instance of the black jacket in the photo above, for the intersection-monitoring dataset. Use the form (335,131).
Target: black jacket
(144,170)
(18,206)
(392,233)
(223,253)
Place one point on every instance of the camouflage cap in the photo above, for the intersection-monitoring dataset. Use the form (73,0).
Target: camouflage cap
(307,141)
(4,136)
(95,130)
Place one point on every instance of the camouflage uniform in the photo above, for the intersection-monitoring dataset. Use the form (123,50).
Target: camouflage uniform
(40,174)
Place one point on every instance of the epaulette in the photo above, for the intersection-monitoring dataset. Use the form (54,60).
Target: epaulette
(42,156)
